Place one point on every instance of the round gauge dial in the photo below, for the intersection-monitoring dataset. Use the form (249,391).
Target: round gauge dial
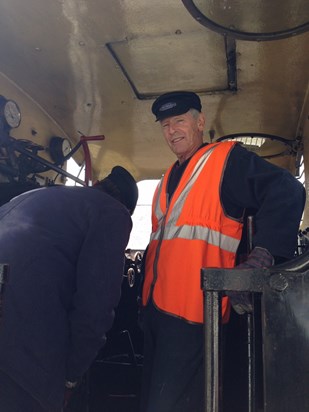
(10,113)
(59,148)
(66,147)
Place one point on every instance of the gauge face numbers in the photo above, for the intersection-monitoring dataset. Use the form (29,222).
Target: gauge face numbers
(11,113)
(59,148)
(66,147)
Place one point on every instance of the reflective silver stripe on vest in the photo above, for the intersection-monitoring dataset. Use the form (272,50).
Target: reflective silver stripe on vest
(195,174)
(171,231)
(192,179)
(210,236)
(158,210)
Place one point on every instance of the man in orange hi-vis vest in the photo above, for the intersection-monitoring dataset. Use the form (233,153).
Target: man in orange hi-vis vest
(197,221)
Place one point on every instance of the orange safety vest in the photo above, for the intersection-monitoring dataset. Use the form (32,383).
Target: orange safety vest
(189,233)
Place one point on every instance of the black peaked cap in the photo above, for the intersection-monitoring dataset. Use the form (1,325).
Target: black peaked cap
(175,103)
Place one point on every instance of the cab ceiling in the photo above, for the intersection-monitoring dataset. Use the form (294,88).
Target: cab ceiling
(95,67)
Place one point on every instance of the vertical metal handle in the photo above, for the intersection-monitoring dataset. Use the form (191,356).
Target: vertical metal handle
(212,317)
(251,330)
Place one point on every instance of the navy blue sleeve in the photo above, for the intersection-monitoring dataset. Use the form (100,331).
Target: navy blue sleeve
(98,285)
(276,197)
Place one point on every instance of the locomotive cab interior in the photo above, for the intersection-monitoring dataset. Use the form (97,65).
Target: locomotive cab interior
(77,82)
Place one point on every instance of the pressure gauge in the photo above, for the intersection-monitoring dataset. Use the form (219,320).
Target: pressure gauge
(10,113)
(59,148)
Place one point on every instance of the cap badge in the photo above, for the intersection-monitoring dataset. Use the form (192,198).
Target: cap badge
(167,106)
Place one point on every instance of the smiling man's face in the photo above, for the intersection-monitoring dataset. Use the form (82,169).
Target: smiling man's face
(184,133)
